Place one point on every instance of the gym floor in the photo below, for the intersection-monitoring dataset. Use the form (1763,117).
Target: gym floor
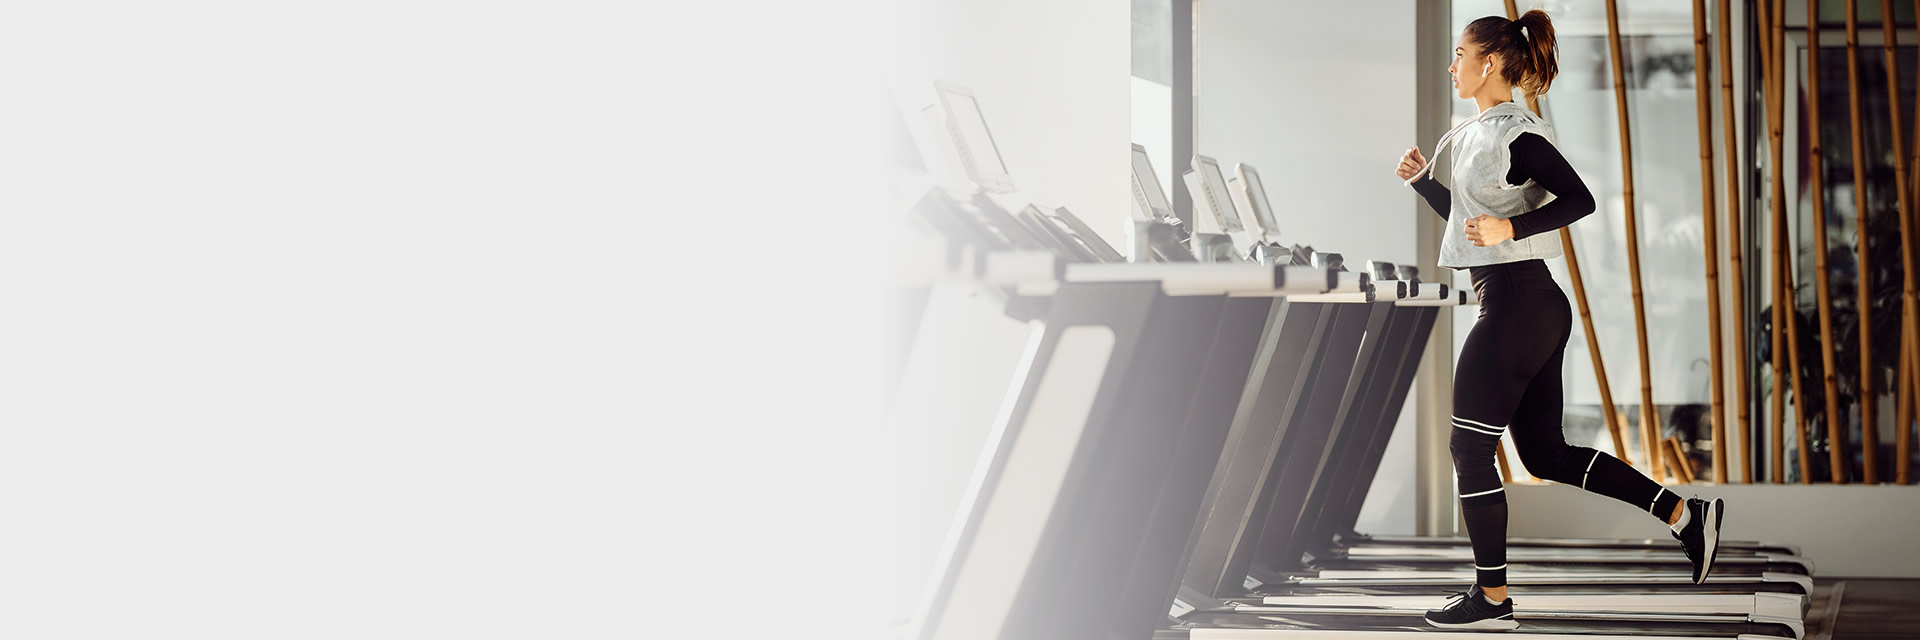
(1864,609)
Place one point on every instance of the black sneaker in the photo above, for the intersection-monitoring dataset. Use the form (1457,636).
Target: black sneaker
(1469,610)
(1701,537)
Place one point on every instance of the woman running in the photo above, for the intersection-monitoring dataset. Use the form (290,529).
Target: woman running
(1512,191)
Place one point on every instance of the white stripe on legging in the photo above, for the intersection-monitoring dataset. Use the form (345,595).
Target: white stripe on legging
(1656,500)
(1583,476)
(1489,568)
(1476,429)
(1470,495)
(1483,424)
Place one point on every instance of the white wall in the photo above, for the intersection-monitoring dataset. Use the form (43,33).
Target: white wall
(1054,83)
(1053,80)
(1324,114)
(1389,507)
(1153,128)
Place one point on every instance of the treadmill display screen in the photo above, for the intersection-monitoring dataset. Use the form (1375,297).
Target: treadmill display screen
(1220,200)
(980,150)
(1148,184)
(1257,195)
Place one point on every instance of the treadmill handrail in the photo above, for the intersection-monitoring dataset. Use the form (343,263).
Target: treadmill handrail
(1197,278)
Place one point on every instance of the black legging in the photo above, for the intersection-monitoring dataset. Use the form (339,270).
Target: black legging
(1509,374)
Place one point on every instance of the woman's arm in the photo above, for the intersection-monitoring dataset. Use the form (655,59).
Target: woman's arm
(1436,194)
(1535,158)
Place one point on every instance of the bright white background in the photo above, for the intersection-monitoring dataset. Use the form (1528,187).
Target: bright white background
(1322,108)
(416,319)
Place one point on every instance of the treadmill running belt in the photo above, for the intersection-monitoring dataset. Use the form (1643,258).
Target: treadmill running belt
(1724,627)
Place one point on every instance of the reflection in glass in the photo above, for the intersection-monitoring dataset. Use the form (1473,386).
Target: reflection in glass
(1843,267)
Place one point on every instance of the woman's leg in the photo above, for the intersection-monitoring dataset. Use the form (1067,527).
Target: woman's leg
(1501,354)
(1545,453)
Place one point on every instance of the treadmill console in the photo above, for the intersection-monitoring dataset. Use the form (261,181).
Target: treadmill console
(971,139)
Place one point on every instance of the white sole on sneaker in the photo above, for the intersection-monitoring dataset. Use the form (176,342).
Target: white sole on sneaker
(1716,510)
(1503,623)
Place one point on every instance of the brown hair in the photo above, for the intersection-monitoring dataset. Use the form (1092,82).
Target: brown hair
(1529,61)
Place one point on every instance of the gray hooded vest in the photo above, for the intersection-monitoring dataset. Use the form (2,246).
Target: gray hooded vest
(1480,161)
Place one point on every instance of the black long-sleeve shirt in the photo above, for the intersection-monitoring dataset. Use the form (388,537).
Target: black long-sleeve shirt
(1536,159)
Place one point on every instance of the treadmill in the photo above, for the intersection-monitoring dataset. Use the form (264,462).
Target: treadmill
(1288,341)
(1086,424)
(1296,336)
(973,254)
(1107,520)
(1084,454)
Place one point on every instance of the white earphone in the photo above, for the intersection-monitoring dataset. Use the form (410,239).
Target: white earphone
(1484,70)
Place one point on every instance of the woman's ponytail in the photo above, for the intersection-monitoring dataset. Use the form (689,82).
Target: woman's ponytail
(1539,45)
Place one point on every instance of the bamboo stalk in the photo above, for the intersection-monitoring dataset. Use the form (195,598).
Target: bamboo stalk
(1734,208)
(1910,308)
(1648,415)
(1771,67)
(1815,169)
(1682,465)
(1835,432)
(1672,461)
(1711,232)
(1650,442)
(1580,299)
